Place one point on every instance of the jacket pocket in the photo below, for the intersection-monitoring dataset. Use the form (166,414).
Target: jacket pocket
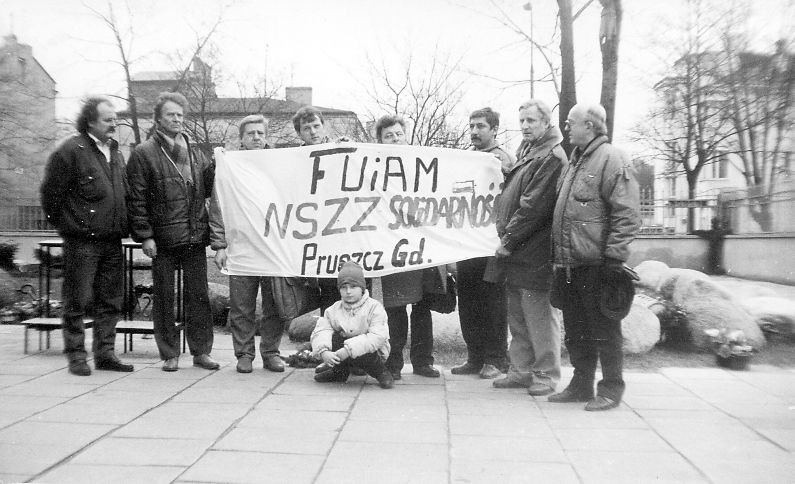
(587,240)
(89,188)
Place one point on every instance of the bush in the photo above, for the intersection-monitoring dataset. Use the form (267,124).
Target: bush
(7,252)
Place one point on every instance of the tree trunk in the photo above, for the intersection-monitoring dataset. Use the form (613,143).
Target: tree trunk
(568,91)
(609,36)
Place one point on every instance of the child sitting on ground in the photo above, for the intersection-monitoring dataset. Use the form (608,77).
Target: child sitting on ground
(352,332)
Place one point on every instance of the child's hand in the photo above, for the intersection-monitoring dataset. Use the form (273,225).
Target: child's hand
(343,353)
(330,358)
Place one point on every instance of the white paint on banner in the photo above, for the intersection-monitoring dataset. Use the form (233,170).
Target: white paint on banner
(391,208)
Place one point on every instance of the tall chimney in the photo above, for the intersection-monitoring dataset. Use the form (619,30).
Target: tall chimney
(299,95)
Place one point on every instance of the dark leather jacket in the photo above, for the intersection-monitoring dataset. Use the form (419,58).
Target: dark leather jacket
(161,205)
(82,194)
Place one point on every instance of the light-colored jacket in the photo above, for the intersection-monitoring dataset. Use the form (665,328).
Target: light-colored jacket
(597,213)
(362,325)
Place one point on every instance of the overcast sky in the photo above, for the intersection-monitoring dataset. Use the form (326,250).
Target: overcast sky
(325,44)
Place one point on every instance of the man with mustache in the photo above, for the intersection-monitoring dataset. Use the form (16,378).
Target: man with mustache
(481,304)
(83,195)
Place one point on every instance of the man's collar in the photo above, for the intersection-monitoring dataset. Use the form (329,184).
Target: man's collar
(490,147)
(97,141)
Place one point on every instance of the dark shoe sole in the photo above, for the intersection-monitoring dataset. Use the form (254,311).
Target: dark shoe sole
(121,367)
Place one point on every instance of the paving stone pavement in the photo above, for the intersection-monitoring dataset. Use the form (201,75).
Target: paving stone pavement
(675,425)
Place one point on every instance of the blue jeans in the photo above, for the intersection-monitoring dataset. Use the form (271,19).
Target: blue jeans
(198,316)
(93,276)
(242,316)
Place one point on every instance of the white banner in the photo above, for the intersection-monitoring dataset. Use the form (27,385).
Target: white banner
(391,208)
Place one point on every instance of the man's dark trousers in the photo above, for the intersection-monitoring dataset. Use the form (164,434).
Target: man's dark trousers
(93,276)
(481,310)
(198,316)
(421,352)
(590,336)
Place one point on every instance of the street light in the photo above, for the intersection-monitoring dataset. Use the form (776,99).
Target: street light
(529,7)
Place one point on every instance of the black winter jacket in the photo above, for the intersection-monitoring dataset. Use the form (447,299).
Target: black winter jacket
(82,194)
(161,205)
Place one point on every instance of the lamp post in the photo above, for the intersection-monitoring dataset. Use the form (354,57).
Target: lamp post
(529,7)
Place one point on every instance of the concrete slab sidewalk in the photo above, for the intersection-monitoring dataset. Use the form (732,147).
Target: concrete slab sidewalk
(676,425)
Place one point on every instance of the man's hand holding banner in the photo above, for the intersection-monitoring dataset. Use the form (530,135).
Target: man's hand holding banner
(391,208)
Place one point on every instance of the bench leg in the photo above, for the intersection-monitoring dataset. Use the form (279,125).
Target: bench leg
(26,339)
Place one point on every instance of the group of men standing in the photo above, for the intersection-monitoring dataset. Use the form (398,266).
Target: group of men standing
(564,227)
(562,223)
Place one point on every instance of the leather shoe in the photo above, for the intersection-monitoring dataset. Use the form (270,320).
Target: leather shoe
(356,371)
(396,375)
(601,403)
(539,389)
(426,371)
(112,364)
(385,380)
(568,395)
(274,363)
(244,364)
(489,372)
(467,368)
(79,368)
(322,367)
(171,364)
(204,361)
(507,383)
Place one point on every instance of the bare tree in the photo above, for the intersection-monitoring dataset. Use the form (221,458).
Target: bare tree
(123,40)
(760,110)
(428,97)
(609,36)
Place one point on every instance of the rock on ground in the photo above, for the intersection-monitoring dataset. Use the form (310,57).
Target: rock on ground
(716,312)
(774,315)
(651,273)
(300,328)
(640,329)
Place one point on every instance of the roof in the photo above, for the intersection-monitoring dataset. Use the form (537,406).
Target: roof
(231,106)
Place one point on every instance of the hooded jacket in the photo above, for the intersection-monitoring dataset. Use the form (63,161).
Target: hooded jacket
(164,206)
(524,211)
(598,208)
(82,194)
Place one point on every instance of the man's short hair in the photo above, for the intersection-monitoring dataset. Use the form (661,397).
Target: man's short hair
(387,121)
(89,112)
(542,107)
(250,119)
(173,97)
(492,117)
(596,114)
(306,114)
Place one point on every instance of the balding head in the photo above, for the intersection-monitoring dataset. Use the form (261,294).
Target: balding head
(586,122)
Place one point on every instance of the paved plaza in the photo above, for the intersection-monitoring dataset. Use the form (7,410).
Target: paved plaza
(675,425)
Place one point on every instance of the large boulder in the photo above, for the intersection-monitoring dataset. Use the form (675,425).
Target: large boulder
(219,302)
(774,315)
(651,273)
(300,328)
(717,312)
(680,285)
(640,329)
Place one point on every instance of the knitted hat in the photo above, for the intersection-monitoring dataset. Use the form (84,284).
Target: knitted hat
(351,273)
